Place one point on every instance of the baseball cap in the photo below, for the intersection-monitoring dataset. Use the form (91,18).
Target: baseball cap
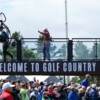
(93,85)
(7,85)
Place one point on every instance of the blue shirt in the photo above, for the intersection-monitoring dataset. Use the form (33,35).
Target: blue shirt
(72,95)
(85,83)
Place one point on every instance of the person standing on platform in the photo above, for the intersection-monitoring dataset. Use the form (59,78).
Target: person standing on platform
(46,38)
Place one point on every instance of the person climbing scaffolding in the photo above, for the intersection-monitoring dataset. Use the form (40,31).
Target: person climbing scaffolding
(4,37)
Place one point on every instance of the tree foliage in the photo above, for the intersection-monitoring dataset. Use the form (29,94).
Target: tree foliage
(95,52)
(81,51)
(27,53)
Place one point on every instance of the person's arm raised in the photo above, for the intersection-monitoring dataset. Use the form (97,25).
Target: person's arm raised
(40,32)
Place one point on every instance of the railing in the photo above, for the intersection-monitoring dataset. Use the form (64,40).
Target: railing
(58,48)
(89,48)
(68,57)
(82,49)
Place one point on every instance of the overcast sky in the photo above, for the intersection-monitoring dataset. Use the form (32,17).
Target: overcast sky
(27,16)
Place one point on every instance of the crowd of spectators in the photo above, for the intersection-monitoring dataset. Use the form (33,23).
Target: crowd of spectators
(35,90)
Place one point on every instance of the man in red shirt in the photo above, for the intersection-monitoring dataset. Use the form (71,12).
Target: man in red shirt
(7,91)
(46,43)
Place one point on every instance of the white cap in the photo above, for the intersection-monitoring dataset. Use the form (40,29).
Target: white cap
(7,85)
(93,85)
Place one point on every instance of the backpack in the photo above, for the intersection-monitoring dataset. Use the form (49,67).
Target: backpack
(3,36)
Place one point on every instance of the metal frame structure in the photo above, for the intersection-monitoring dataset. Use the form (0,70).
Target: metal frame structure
(66,66)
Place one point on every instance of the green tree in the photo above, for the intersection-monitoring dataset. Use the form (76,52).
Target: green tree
(40,47)
(16,35)
(95,52)
(76,79)
(98,50)
(13,44)
(61,52)
(81,51)
(27,53)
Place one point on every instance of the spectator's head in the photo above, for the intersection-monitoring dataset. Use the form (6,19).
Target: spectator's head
(82,89)
(73,87)
(87,76)
(23,85)
(45,30)
(7,87)
(6,80)
(18,81)
(1,83)
(93,85)
(41,83)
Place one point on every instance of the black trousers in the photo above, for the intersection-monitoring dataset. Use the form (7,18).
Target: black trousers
(5,52)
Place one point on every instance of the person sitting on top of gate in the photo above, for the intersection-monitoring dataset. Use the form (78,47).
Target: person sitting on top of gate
(46,38)
(4,38)
(4,32)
